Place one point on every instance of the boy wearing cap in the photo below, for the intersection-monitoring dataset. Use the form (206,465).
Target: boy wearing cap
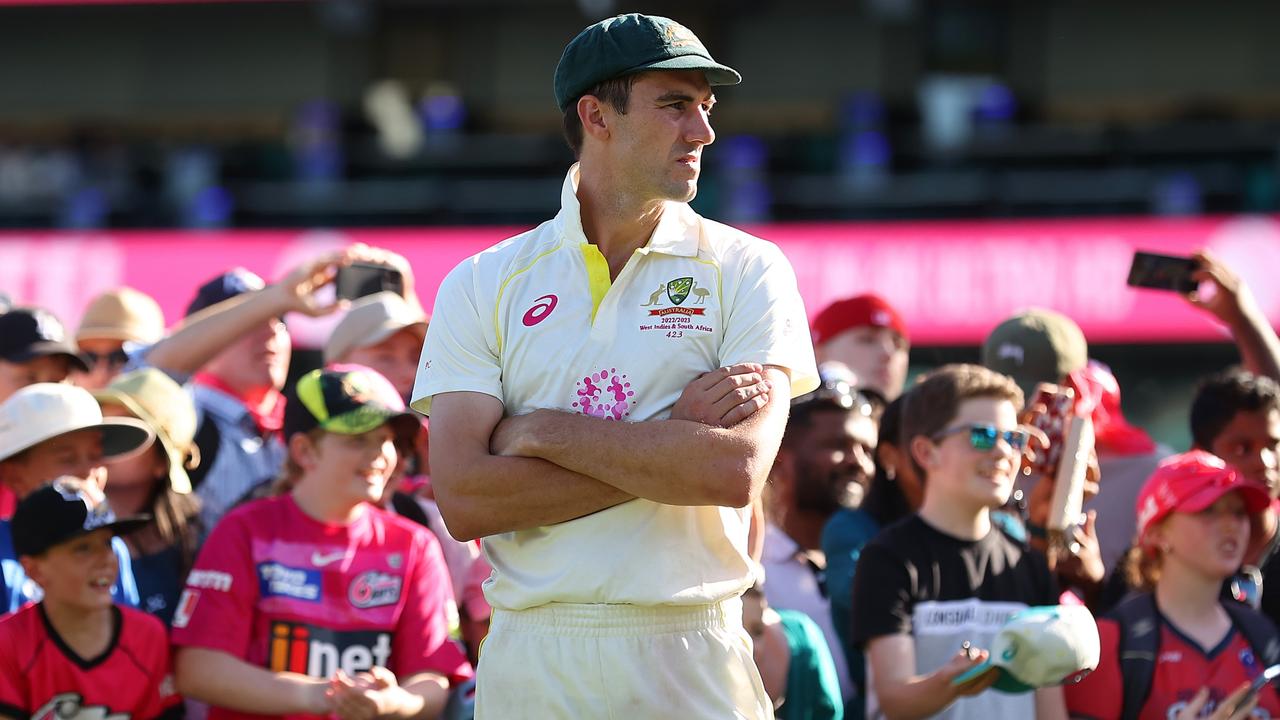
(49,431)
(1193,518)
(316,601)
(629,537)
(932,590)
(76,653)
(869,335)
(114,324)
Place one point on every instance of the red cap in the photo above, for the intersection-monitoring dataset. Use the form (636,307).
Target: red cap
(1114,434)
(1191,482)
(859,311)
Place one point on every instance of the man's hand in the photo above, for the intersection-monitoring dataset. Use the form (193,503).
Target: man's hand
(1083,568)
(511,436)
(723,397)
(1229,298)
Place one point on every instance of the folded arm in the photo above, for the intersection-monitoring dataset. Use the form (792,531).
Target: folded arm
(674,462)
(484,494)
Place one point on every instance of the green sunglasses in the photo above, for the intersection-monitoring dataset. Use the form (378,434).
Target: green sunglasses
(983,437)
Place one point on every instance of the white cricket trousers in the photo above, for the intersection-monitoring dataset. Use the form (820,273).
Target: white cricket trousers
(567,661)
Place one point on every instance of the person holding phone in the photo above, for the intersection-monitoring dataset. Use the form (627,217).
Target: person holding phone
(1193,528)
(234,349)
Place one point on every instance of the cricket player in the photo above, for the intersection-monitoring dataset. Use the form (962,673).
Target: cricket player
(607,394)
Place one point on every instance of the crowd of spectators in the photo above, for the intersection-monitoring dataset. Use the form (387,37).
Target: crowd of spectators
(272,548)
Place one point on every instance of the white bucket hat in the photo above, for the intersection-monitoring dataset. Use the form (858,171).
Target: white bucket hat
(371,320)
(43,411)
(1041,646)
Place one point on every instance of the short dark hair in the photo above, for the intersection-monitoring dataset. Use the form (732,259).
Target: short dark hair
(935,400)
(615,92)
(1221,396)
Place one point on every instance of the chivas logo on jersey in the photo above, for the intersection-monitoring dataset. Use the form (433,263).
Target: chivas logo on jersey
(318,652)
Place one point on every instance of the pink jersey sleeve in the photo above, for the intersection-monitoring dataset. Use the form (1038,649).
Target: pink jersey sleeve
(1098,695)
(422,642)
(216,609)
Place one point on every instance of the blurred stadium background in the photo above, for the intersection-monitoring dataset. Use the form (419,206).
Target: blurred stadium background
(965,158)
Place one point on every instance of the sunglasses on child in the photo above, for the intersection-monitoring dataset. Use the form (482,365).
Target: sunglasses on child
(984,437)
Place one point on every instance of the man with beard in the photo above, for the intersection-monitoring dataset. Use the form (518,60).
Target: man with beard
(825,463)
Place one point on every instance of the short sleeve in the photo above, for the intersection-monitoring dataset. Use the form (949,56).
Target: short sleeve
(765,320)
(882,598)
(456,356)
(217,605)
(1099,695)
(421,641)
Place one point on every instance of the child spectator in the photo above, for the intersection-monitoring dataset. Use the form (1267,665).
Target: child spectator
(155,482)
(1193,528)
(868,334)
(316,602)
(52,430)
(794,660)
(76,654)
(934,588)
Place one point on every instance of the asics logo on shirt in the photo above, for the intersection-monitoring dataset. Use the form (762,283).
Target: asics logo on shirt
(320,560)
(541,308)
(318,652)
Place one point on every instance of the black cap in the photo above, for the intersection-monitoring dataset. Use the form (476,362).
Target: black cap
(224,287)
(58,512)
(27,333)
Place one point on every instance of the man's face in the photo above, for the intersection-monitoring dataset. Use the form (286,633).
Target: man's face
(259,359)
(834,460)
(1250,442)
(396,358)
(107,359)
(655,149)
(876,355)
(46,368)
(78,454)
(972,477)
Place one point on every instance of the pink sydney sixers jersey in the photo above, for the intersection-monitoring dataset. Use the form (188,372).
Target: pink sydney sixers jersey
(285,592)
(43,679)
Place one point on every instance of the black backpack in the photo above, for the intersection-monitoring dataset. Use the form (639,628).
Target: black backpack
(1140,642)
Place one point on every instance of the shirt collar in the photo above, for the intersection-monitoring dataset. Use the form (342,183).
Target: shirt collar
(676,233)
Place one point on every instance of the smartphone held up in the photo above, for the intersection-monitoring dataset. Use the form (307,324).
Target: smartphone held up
(359,279)
(1163,272)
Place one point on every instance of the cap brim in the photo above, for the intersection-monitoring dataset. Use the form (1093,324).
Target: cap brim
(123,437)
(369,418)
(332,353)
(1005,682)
(716,73)
(1256,499)
(48,349)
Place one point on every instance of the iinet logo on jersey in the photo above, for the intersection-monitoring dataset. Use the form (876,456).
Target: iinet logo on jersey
(318,652)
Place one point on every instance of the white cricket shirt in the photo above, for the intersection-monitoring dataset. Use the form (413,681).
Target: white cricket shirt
(536,322)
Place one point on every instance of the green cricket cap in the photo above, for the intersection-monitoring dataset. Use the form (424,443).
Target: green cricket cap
(627,44)
(346,399)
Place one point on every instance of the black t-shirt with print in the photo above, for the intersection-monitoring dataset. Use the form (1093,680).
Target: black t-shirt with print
(913,579)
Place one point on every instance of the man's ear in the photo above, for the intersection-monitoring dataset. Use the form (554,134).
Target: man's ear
(594,117)
(924,452)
